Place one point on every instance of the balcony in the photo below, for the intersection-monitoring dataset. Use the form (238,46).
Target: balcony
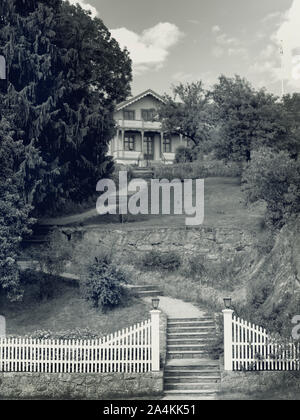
(139,125)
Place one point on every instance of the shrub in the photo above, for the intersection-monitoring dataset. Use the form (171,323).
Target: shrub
(275,178)
(183,154)
(155,260)
(104,285)
(193,267)
(78,334)
(122,167)
(198,169)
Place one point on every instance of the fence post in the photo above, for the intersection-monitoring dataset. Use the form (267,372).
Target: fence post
(155,315)
(227,313)
(2,326)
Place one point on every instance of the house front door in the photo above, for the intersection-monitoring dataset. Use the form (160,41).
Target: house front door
(148,149)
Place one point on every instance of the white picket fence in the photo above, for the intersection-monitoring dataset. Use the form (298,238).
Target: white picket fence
(133,349)
(249,347)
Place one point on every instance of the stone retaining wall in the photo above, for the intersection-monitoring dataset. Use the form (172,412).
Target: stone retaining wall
(79,386)
(213,244)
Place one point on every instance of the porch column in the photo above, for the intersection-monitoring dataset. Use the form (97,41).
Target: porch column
(181,138)
(142,148)
(161,144)
(123,147)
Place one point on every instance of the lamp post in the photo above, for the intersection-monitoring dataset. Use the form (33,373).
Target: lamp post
(227,302)
(155,303)
(227,315)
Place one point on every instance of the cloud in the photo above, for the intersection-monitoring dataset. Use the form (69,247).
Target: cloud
(215,29)
(271,16)
(285,38)
(150,49)
(226,45)
(182,77)
(289,33)
(85,6)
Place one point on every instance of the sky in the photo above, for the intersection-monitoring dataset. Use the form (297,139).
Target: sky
(172,41)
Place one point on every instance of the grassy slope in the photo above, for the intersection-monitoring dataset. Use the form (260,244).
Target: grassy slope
(66,310)
(223,207)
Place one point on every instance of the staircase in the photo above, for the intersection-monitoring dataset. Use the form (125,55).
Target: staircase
(144,290)
(189,372)
(39,234)
(144,173)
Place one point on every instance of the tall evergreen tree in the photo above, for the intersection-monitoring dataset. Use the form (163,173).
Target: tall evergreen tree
(14,213)
(65,74)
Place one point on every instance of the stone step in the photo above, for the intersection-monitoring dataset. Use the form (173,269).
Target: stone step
(144,293)
(198,386)
(190,329)
(199,364)
(137,287)
(186,354)
(204,318)
(205,335)
(183,396)
(192,379)
(181,341)
(186,347)
(191,324)
(203,373)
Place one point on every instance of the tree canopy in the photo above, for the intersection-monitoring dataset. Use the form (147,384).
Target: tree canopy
(246,119)
(65,74)
(188,112)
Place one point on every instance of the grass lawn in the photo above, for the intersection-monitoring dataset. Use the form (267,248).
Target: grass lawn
(67,311)
(223,207)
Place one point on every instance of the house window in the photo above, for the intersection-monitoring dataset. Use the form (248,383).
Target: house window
(129,143)
(167,145)
(148,114)
(129,115)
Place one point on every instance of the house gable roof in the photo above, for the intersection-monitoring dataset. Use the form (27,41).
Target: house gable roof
(136,98)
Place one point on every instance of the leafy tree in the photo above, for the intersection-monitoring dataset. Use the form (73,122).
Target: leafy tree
(275,178)
(14,213)
(246,119)
(291,115)
(188,113)
(65,74)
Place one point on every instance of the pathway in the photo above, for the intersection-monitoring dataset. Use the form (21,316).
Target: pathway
(189,373)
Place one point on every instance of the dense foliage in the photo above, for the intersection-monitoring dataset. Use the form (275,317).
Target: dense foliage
(65,74)
(188,113)
(183,154)
(155,260)
(246,119)
(275,178)
(104,283)
(14,213)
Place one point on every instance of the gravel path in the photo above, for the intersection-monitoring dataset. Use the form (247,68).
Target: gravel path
(175,308)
